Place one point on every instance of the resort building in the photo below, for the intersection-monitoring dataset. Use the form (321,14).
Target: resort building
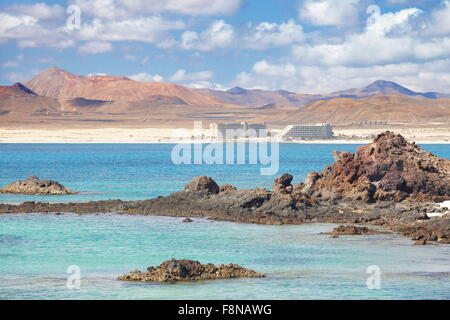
(305,131)
(238,130)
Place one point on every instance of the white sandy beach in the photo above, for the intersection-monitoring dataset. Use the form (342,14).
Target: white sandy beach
(175,135)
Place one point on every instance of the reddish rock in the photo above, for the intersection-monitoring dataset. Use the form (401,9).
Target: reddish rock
(388,169)
(227,187)
(353,231)
(202,184)
(283,184)
(189,270)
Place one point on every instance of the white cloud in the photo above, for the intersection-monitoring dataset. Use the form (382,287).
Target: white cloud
(427,76)
(266,69)
(440,20)
(146,77)
(149,29)
(13,63)
(339,13)
(15,26)
(114,9)
(95,47)
(267,35)
(40,11)
(182,76)
(191,7)
(373,46)
(218,35)
(14,77)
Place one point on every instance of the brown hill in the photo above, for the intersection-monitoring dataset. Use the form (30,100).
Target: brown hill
(260,98)
(16,90)
(393,109)
(59,84)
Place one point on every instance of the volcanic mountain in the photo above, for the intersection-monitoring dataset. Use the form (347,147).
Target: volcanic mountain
(261,98)
(16,90)
(378,108)
(60,84)
(18,99)
(387,88)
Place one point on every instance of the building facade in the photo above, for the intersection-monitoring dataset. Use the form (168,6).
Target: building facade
(304,131)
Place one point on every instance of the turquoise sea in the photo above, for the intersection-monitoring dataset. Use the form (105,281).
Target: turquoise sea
(37,249)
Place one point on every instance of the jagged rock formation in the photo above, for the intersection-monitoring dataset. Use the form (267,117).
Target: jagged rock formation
(202,185)
(189,270)
(388,169)
(34,185)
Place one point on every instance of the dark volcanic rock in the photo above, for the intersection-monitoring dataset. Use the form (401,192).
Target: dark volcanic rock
(34,185)
(203,185)
(283,184)
(352,231)
(388,169)
(227,187)
(189,270)
(187,220)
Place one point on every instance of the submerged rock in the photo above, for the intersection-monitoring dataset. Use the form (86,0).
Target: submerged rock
(189,270)
(353,231)
(388,169)
(33,185)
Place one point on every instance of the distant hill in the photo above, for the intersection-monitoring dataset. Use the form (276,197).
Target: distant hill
(16,90)
(18,100)
(60,84)
(57,97)
(260,98)
(381,108)
(388,88)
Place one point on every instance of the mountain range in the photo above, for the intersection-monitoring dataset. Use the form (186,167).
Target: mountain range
(58,97)
(261,98)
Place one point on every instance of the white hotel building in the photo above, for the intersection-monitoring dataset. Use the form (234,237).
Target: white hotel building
(305,131)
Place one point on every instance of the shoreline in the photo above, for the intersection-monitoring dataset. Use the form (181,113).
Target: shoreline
(174,135)
(169,136)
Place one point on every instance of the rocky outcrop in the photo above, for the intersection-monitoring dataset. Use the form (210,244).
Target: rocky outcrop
(227,187)
(202,185)
(35,186)
(388,169)
(353,231)
(283,184)
(189,270)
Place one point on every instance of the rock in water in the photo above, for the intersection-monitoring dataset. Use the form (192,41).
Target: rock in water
(353,231)
(388,169)
(202,185)
(189,270)
(34,185)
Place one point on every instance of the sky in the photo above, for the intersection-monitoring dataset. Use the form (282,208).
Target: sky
(304,46)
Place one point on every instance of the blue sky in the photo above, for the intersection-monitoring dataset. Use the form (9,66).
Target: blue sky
(308,46)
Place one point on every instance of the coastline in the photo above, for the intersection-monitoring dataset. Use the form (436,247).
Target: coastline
(169,135)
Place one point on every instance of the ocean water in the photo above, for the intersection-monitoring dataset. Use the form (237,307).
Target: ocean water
(142,171)
(301,263)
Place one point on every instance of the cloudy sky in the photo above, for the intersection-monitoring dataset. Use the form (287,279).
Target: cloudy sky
(305,46)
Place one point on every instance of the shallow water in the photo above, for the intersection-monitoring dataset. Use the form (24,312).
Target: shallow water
(301,263)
